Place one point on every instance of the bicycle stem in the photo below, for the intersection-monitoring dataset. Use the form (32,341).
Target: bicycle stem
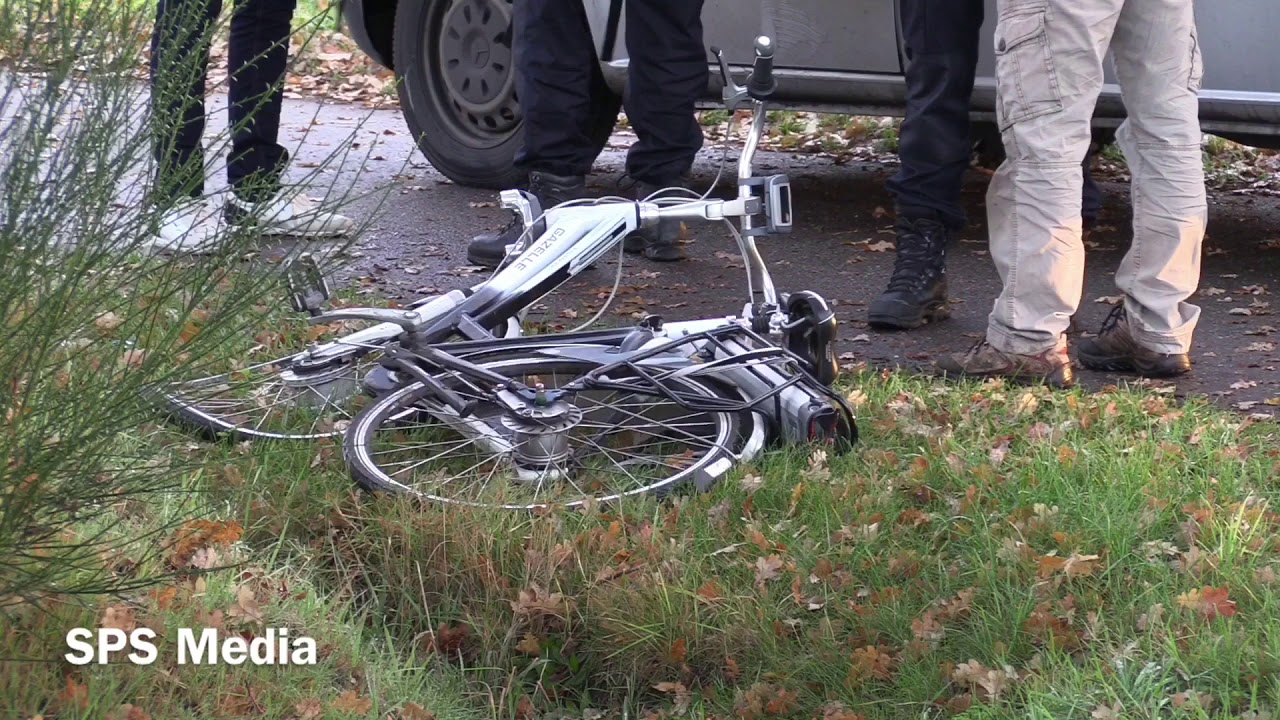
(759,282)
(760,287)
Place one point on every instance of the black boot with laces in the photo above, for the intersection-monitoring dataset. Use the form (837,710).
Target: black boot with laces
(663,243)
(489,250)
(917,292)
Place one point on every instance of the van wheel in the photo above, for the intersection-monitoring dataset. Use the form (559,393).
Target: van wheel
(455,67)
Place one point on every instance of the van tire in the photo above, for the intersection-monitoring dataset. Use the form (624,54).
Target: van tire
(468,122)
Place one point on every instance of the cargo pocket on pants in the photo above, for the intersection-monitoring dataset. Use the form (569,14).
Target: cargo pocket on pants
(1025,74)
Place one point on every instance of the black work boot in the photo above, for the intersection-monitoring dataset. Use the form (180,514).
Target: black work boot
(663,244)
(1116,350)
(917,292)
(489,250)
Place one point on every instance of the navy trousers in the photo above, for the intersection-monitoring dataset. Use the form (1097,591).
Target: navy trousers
(558,81)
(934,147)
(258,49)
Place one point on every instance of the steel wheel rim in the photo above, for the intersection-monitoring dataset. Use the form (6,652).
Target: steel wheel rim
(472,67)
(405,408)
(197,398)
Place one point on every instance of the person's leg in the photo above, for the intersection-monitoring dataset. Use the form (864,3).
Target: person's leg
(942,38)
(1158,64)
(667,74)
(554,56)
(934,148)
(1091,199)
(554,65)
(179,58)
(258,56)
(1049,75)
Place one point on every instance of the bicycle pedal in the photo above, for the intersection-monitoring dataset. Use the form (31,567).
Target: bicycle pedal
(308,288)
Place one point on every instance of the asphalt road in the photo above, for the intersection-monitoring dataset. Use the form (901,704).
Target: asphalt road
(417,225)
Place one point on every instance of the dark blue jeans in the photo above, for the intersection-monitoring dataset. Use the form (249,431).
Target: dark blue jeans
(558,81)
(258,49)
(934,145)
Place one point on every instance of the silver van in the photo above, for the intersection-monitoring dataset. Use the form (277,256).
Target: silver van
(454,62)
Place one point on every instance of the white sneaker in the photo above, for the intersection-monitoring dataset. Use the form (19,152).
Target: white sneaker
(189,227)
(295,216)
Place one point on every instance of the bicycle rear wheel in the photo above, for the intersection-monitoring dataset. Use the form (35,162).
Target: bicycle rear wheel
(274,400)
(290,398)
(604,444)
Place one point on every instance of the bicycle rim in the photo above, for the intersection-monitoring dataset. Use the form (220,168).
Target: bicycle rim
(279,399)
(273,400)
(616,445)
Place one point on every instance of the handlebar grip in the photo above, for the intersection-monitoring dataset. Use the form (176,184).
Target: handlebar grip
(761,83)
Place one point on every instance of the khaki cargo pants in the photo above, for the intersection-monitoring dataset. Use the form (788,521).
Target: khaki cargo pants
(1049,57)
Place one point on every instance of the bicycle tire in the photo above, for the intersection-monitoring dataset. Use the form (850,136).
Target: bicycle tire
(359,446)
(182,403)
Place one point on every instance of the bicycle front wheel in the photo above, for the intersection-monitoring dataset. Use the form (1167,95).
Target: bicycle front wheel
(603,445)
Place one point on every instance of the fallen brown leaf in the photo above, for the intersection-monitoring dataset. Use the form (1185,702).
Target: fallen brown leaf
(119,617)
(164,597)
(682,695)
(414,711)
(1026,404)
(536,602)
(836,711)
(133,358)
(529,645)
(1210,602)
(204,558)
(350,703)
(679,651)
(308,709)
(107,322)
(246,605)
(1114,711)
(767,569)
(74,695)
(870,663)
(999,451)
(1073,566)
(993,682)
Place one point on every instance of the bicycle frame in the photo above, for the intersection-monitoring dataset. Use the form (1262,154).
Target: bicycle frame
(565,240)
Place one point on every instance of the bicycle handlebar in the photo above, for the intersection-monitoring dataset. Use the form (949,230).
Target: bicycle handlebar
(760,85)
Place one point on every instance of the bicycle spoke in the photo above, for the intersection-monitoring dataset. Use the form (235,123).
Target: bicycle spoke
(658,441)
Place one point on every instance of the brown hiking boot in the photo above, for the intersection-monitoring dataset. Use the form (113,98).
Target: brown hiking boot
(1116,350)
(1052,367)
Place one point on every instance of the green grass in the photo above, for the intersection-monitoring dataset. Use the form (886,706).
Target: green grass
(360,671)
(322,13)
(985,552)
(358,674)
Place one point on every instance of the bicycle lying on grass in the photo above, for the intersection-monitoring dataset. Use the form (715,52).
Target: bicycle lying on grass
(447,401)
